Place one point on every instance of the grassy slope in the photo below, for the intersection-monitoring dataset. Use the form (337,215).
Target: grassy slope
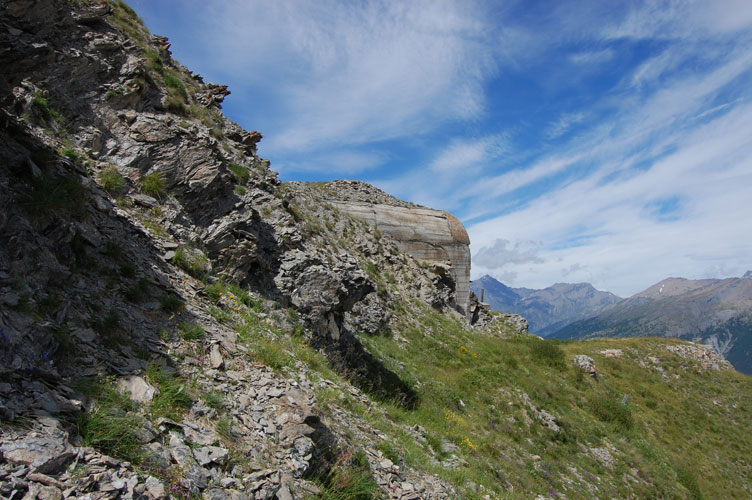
(683,436)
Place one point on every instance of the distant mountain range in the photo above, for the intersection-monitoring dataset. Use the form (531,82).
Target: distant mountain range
(715,312)
(548,309)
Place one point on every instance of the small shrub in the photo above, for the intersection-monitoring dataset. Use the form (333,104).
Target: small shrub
(111,180)
(112,93)
(191,331)
(154,185)
(171,303)
(241,173)
(239,190)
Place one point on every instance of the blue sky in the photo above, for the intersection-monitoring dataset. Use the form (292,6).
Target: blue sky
(608,142)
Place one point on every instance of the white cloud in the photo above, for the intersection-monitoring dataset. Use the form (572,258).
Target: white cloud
(361,72)
(682,20)
(465,154)
(592,57)
(603,223)
(502,253)
(565,122)
(343,162)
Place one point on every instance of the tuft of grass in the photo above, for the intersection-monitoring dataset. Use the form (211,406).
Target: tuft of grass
(113,249)
(154,184)
(171,303)
(39,102)
(220,314)
(173,82)
(127,10)
(190,331)
(350,479)
(109,424)
(173,398)
(66,346)
(55,196)
(191,261)
(156,228)
(164,334)
(71,154)
(112,93)
(239,190)
(241,173)
(138,292)
(548,352)
(214,399)
(111,180)
(688,479)
(127,270)
(270,353)
(243,296)
(215,290)
(175,102)
(223,427)
(609,409)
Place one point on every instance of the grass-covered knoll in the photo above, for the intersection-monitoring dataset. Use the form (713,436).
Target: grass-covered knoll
(682,433)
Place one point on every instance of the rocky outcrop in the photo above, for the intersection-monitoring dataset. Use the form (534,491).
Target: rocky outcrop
(125,199)
(428,235)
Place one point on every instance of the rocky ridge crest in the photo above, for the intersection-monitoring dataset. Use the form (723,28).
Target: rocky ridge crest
(121,179)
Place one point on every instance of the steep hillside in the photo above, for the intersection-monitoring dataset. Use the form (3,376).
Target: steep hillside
(175,322)
(714,312)
(547,309)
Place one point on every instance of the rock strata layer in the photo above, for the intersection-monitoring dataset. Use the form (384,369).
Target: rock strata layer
(429,235)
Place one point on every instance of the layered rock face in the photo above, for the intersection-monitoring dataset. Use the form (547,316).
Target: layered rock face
(429,235)
(426,234)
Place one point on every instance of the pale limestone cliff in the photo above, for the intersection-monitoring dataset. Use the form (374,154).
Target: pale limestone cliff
(426,234)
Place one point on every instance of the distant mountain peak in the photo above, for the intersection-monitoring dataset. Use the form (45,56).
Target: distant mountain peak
(546,309)
(674,286)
